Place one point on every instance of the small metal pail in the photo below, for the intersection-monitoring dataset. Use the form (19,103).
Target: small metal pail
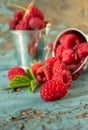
(29,46)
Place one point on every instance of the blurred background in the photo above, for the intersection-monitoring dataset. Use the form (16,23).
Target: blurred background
(61,13)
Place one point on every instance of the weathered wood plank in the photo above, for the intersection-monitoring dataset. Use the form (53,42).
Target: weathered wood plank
(20,107)
(26,111)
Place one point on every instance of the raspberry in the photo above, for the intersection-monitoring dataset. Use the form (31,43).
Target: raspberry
(23,25)
(13,23)
(59,51)
(35,67)
(43,74)
(70,41)
(53,90)
(74,67)
(69,56)
(18,16)
(83,50)
(58,66)
(76,76)
(36,23)
(64,76)
(35,12)
(17,71)
(50,61)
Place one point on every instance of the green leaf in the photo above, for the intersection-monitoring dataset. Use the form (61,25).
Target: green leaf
(30,74)
(18,82)
(34,84)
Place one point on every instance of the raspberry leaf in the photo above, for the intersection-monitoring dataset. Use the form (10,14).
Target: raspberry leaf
(24,81)
(18,82)
(30,74)
(33,85)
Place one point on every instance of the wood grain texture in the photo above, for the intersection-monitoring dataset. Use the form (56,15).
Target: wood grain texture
(21,110)
(24,110)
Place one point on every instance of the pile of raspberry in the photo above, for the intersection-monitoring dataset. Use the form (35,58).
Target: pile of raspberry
(30,19)
(55,75)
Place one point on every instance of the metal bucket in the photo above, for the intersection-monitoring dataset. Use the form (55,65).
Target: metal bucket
(77,32)
(29,46)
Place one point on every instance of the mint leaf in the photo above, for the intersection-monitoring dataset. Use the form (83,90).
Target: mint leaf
(33,85)
(30,74)
(24,81)
(18,82)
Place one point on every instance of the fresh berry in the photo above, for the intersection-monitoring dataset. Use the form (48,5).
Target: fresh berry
(15,21)
(23,25)
(69,41)
(50,61)
(17,71)
(36,23)
(59,51)
(69,56)
(34,11)
(53,90)
(18,16)
(74,67)
(83,50)
(35,67)
(78,74)
(58,66)
(13,24)
(64,76)
(43,74)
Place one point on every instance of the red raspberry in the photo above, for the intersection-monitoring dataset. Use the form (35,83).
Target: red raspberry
(74,67)
(35,12)
(69,41)
(43,74)
(50,61)
(36,23)
(53,90)
(35,67)
(58,66)
(13,23)
(18,16)
(76,75)
(23,25)
(64,76)
(69,56)
(17,71)
(83,50)
(59,51)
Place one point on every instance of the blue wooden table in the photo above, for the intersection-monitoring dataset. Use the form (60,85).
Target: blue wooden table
(21,110)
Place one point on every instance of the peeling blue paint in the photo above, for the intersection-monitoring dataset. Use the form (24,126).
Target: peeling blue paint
(69,113)
(5,11)
(4,27)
